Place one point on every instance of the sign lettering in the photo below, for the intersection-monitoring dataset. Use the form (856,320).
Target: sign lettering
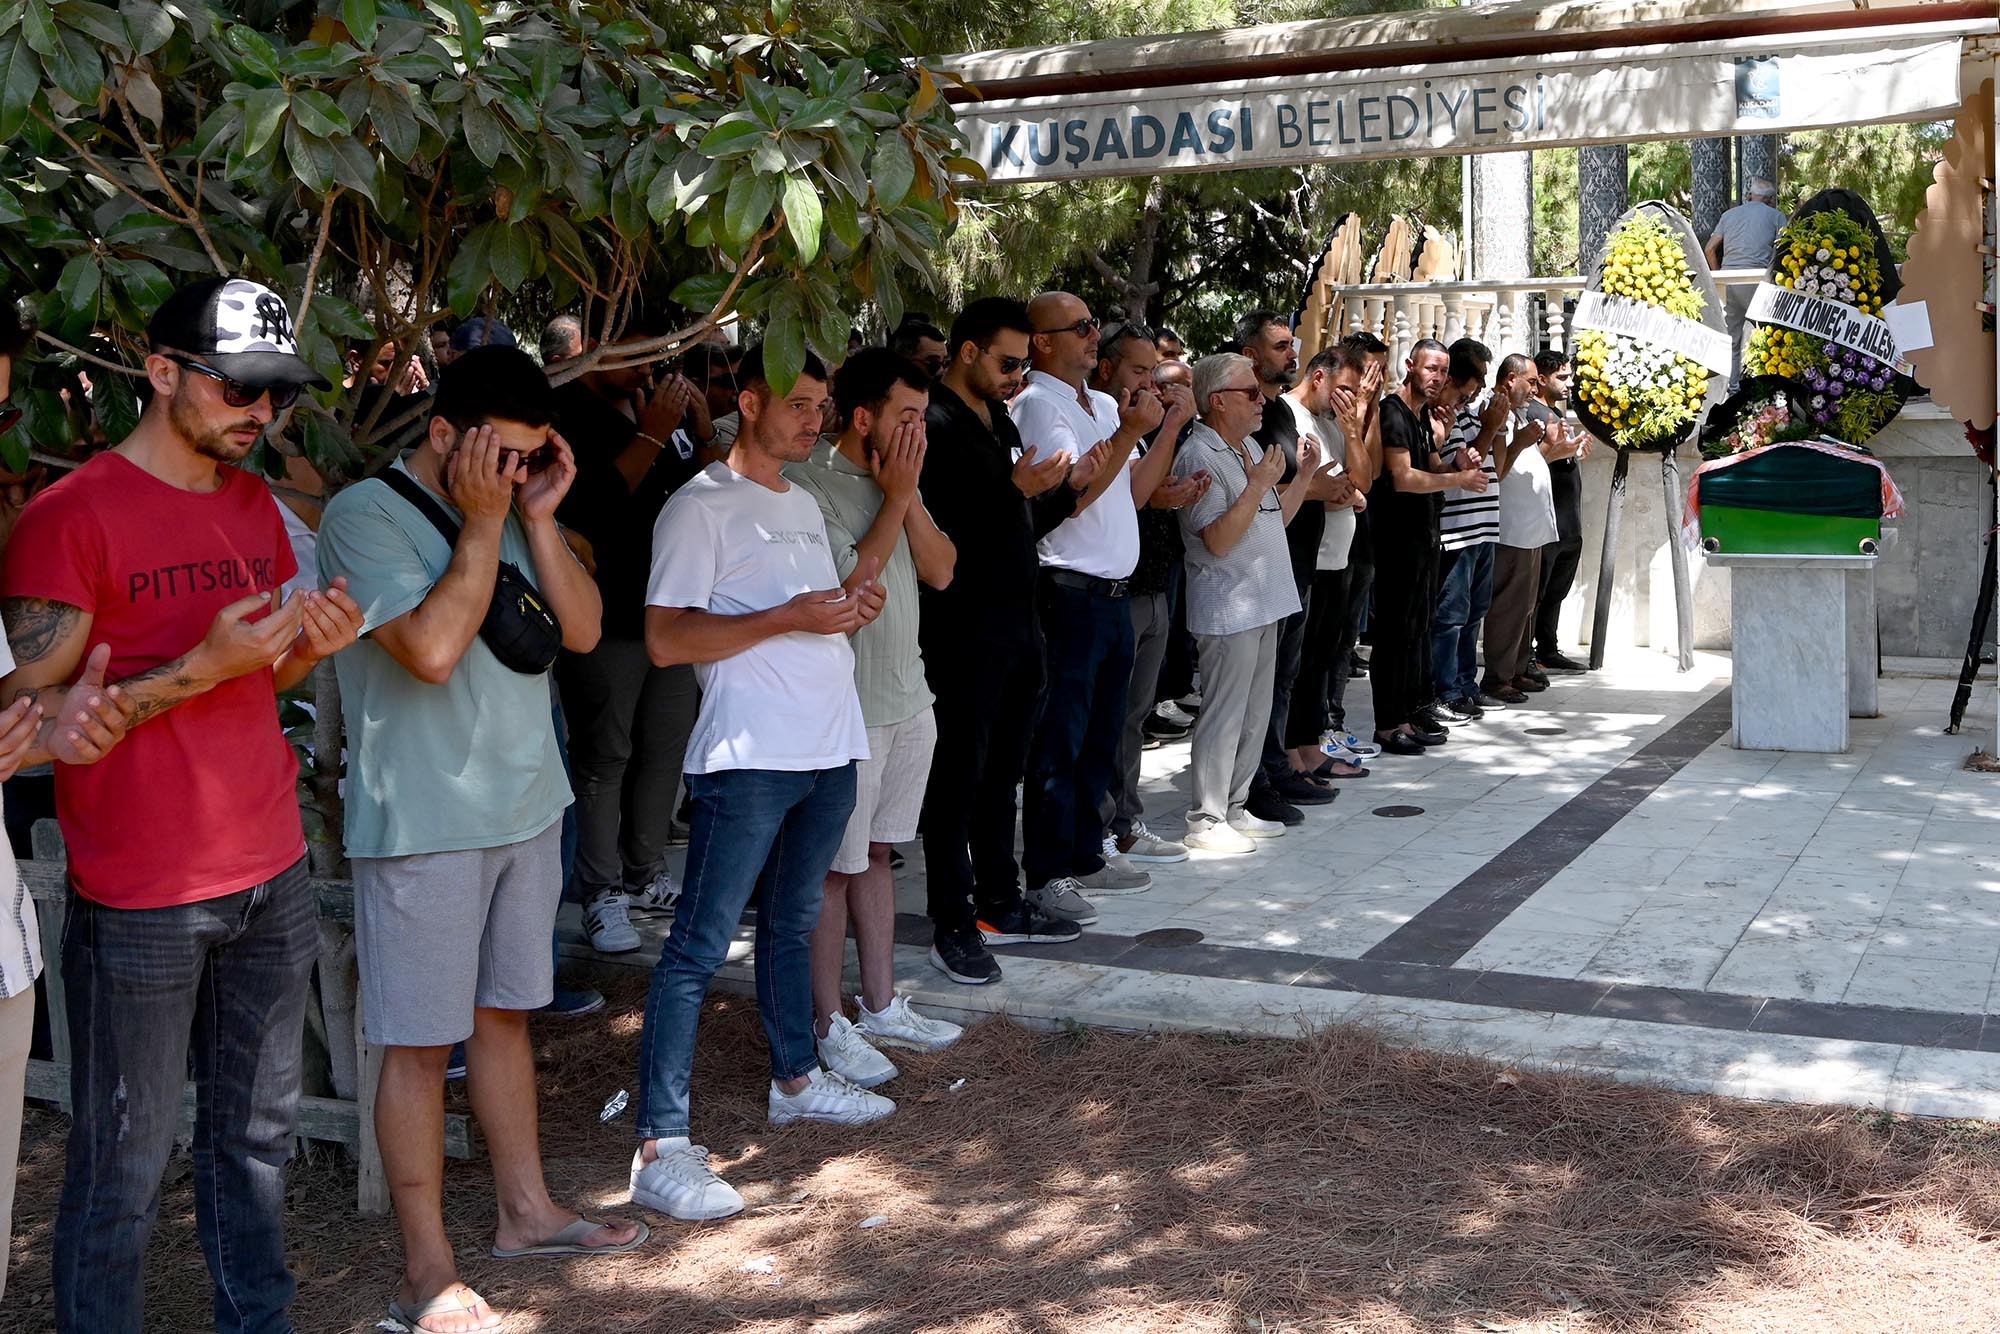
(1650,324)
(1840,324)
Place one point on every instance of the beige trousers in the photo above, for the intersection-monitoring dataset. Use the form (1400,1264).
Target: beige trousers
(17,1028)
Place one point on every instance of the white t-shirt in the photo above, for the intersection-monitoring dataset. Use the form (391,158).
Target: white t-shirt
(20,936)
(729,545)
(1527,501)
(1103,541)
(1337,538)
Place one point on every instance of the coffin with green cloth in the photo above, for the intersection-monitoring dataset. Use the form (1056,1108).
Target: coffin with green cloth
(1773,486)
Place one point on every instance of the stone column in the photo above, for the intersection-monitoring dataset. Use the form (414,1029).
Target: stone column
(1756,155)
(1503,214)
(1601,195)
(1711,184)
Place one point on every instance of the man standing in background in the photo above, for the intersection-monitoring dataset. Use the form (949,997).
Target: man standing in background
(1745,238)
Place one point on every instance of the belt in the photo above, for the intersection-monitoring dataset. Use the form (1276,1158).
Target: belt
(1090,583)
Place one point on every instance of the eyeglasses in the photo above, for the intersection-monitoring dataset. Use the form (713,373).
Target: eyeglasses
(237,394)
(8,418)
(1008,365)
(1083,328)
(1248,391)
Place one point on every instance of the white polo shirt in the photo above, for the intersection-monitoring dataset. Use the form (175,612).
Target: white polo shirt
(1103,541)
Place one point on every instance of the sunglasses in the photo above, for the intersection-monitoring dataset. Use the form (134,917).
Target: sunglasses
(1248,391)
(1008,365)
(8,418)
(237,394)
(1083,328)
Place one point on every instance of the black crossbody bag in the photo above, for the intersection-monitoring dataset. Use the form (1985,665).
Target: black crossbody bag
(520,626)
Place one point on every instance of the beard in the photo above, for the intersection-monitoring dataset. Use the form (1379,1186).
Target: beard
(212,440)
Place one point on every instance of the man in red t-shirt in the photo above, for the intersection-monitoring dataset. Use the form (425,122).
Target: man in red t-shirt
(192,911)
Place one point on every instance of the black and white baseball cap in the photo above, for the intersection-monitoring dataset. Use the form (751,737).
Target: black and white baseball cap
(239,327)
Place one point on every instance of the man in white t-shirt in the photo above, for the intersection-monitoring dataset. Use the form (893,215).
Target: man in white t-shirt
(1086,622)
(1527,524)
(744,587)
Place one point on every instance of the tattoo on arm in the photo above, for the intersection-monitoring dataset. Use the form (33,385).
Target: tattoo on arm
(173,674)
(36,625)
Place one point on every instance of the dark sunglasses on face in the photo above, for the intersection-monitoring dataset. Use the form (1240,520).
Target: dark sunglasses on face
(237,394)
(1008,365)
(1083,328)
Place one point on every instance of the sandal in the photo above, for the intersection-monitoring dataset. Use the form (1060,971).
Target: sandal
(569,1241)
(453,1299)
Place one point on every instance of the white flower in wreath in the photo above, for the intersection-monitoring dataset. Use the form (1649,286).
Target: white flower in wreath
(1823,254)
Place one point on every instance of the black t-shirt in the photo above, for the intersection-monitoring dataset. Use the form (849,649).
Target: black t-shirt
(1565,477)
(1159,536)
(1397,519)
(615,520)
(968,487)
(1280,431)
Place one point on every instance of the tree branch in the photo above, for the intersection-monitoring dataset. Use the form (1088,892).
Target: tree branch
(193,214)
(118,182)
(306,297)
(90,357)
(604,357)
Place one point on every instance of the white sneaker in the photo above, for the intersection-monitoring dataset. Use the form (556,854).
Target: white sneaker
(1190,702)
(1148,846)
(897,1024)
(1243,822)
(660,893)
(1347,741)
(607,922)
(1215,836)
(846,1052)
(679,1184)
(827,1097)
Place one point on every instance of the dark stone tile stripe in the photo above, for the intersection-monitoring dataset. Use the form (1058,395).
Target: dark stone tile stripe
(1463,915)
(1517,991)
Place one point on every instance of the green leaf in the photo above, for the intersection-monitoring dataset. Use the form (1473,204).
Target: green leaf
(361,20)
(547,72)
(483,133)
(338,315)
(117,405)
(784,342)
(311,158)
(39,27)
(747,207)
(625,34)
(389,112)
(894,171)
(818,114)
(701,292)
(263,113)
(316,113)
(472,33)
(11,211)
(76,68)
(77,288)
(731,137)
(841,218)
(471,272)
(100,23)
(354,166)
(150,26)
(20,79)
(144,284)
(512,253)
(802,217)
(258,55)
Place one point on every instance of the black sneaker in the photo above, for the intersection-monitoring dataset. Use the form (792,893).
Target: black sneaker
(1024,924)
(1268,805)
(1450,711)
(1559,662)
(962,957)
(574,1002)
(1297,788)
(1357,667)
(1468,708)
(454,1066)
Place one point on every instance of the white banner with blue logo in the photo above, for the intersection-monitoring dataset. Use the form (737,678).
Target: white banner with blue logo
(1430,110)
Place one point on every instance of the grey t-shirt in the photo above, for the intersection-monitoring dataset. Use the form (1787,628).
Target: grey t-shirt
(471,763)
(1251,585)
(888,665)
(1749,232)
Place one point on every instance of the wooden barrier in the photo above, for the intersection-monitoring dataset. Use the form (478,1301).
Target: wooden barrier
(354,1064)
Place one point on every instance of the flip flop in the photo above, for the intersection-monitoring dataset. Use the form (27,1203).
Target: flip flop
(445,1303)
(569,1241)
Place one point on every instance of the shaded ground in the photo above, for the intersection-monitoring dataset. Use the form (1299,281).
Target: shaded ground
(1093,1181)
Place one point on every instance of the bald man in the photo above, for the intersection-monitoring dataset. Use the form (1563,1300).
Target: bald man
(1084,604)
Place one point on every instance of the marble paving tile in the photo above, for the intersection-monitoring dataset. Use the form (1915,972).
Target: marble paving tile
(1800,970)
(1911,982)
(1921,907)
(1522,947)
(1949,871)
(1612,863)
(1844,831)
(1863,893)
(1956,835)
(1129,998)
(1907,797)
(1733,876)
(1644,830)
(1930,1081)
(1938,942)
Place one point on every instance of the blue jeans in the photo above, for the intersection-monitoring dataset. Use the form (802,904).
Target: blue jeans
(1464,594)
(1073,760)
(766,833)
(232,973)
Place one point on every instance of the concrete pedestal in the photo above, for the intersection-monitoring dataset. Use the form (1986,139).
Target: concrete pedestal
(1803,628)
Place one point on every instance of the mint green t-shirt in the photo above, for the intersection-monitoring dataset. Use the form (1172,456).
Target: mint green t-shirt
(471,763)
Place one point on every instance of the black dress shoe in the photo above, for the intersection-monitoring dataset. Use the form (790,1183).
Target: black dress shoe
(1468,708)
(1446,711)
(1430,736)
(1268,805)
(1559,662)
(1537,675)
(1297,788)
(1431,717)
(1400,743)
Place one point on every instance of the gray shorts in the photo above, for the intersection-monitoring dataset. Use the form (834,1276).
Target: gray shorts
(888,789)
(439,934)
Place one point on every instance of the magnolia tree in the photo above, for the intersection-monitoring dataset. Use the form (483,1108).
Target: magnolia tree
(389,164)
